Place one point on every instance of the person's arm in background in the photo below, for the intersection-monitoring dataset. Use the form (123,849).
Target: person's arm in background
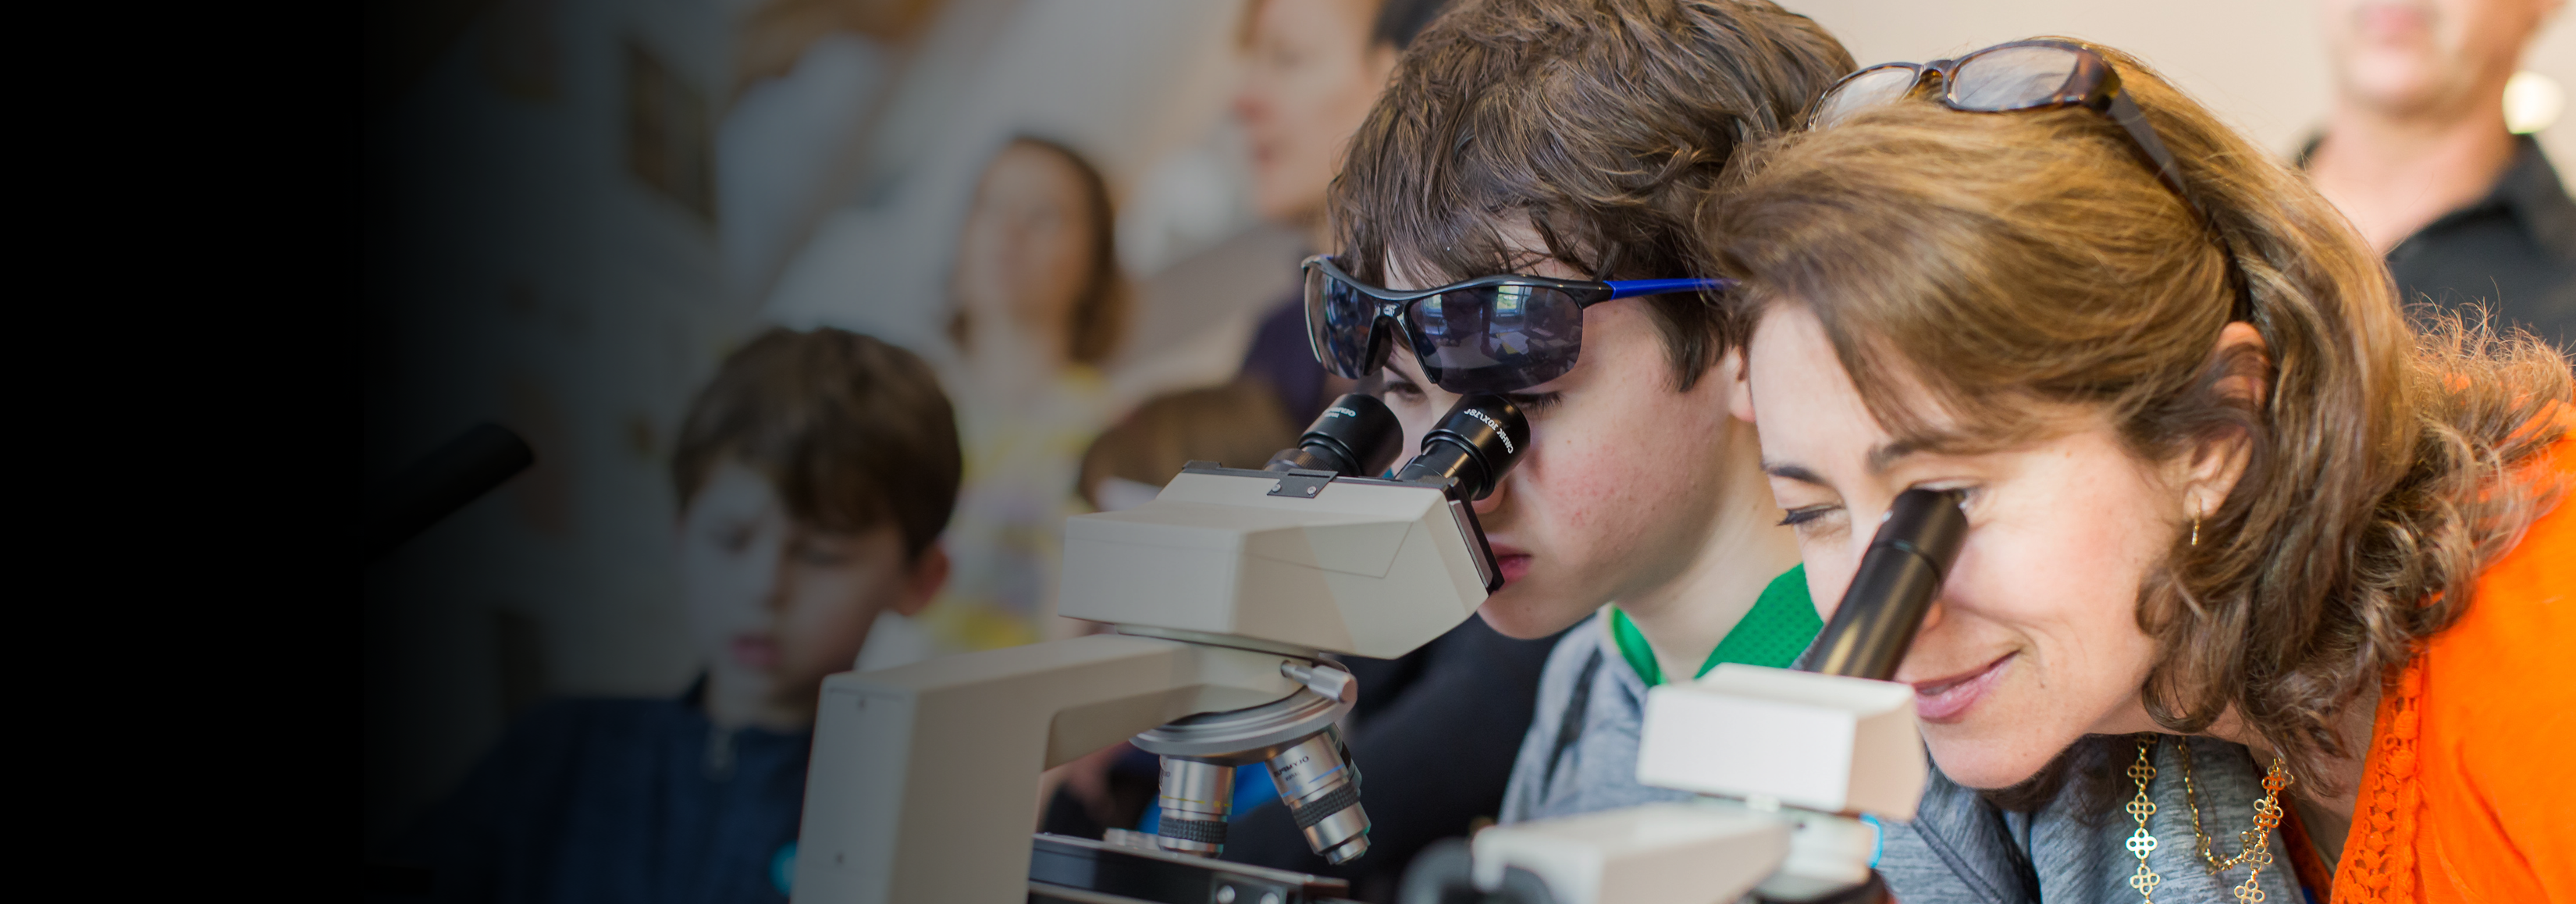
(1434,753)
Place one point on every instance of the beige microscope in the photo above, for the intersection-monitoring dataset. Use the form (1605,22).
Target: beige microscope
(1225,594)
(1787,761)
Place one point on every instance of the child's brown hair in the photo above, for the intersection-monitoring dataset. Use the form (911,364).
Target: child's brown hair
(853,432)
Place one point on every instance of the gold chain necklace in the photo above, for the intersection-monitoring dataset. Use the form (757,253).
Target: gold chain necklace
(2257,843)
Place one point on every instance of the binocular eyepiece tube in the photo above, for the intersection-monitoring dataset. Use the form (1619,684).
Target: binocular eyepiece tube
(1472,447)
(1356,437)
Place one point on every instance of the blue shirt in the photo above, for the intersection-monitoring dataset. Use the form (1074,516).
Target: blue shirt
(620,800)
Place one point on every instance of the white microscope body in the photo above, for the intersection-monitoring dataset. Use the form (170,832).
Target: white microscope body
(1780,753)
(1786,761)
(1225,593)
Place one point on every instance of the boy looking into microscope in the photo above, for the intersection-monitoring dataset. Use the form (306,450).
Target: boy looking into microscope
(1571,142)
(814,474)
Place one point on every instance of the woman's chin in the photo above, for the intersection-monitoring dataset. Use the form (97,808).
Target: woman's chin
(1985,763)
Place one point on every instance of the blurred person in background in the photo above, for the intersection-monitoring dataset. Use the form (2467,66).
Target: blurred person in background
(815,474)
(1237,425)
(2417,153)
(1312,69)
(1039,305)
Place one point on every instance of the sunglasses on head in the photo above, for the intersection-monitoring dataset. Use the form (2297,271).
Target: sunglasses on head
(2027,75)
(1490,334)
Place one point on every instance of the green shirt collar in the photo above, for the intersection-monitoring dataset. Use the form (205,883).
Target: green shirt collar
(1779,627)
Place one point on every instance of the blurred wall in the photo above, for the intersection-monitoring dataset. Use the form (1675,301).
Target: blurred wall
(2261,65)
(540,252)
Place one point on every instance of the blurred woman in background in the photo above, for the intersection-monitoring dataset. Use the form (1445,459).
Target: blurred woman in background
(1312,70)
(1039,305)
(2223,499)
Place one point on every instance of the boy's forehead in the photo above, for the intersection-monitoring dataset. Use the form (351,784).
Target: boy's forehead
(1514,249)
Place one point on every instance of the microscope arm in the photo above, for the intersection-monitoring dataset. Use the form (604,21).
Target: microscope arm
(924,779)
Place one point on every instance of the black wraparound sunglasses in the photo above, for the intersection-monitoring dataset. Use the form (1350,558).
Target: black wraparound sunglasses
(2028,75)
(1490,334)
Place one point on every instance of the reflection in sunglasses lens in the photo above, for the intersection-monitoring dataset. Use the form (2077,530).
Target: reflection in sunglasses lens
(1496,339)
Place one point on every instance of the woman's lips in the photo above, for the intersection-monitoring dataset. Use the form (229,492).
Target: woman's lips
(755,652)
(1946,700)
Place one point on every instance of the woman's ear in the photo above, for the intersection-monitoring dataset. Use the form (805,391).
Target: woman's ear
(2212,470)
(929,573)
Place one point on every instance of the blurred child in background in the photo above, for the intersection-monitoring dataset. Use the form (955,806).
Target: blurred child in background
(814,477)
(1040,305)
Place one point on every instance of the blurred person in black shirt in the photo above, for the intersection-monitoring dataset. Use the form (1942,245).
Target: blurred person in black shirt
(2417,153)
(815,474)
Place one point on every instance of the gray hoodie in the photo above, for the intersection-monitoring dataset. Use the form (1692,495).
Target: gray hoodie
(1580,756)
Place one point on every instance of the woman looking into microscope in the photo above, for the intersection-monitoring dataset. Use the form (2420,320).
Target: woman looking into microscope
(2221,493)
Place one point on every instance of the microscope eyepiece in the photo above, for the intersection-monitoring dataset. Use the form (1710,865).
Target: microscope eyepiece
(1898,578)
(1356,437)
(1474,445)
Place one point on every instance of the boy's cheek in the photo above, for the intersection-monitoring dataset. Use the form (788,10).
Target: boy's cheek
(822,633)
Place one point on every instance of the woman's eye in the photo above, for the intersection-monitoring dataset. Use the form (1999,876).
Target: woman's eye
(1404,389)
(1805,515)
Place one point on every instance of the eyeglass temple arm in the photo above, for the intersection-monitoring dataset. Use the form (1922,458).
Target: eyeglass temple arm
(1631,288)
(2125,112)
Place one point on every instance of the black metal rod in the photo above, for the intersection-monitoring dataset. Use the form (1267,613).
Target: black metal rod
(435,487)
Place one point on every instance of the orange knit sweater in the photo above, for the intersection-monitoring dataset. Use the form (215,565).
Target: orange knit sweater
(2468,793)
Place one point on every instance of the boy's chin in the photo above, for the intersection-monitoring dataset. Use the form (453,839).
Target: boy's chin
(1515,613)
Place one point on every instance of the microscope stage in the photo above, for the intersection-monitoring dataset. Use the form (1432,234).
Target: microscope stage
(1072,870)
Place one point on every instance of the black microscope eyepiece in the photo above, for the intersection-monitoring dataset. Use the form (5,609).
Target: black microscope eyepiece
(1899,577)
(1356,437)
(1472,447)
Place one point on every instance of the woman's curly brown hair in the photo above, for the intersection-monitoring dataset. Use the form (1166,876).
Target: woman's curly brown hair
(1993,260)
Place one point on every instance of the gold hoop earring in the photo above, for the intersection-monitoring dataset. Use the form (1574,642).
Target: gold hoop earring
(2195,529)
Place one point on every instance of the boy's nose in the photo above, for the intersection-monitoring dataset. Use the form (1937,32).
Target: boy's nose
(1494,500)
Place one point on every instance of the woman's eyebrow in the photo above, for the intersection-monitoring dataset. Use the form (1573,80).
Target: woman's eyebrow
(1787,471)
(1885,455)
